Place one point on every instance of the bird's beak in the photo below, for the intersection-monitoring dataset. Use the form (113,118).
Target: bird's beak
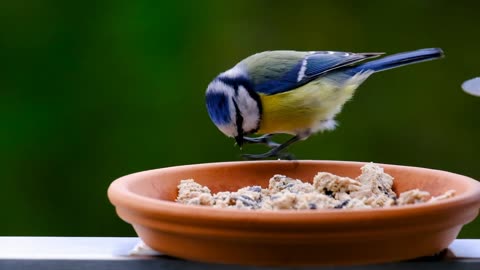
(239,140)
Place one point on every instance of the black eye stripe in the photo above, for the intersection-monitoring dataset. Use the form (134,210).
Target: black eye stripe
(236,82)
(238,119)
(243,81)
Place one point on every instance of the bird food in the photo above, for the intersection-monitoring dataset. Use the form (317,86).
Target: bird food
(372,189)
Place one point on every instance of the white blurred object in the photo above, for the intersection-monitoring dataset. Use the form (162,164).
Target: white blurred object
(472,86)
(141,249)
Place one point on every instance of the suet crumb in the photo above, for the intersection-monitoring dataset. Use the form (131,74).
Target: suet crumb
(372,189)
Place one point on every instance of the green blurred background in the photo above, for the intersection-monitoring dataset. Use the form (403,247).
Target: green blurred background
(94,90)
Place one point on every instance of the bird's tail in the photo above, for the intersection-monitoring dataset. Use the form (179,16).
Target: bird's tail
(399,59)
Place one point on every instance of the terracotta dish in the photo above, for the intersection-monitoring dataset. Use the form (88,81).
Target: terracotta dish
(319,237)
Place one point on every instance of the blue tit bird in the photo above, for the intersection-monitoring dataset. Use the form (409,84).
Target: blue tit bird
(293,92)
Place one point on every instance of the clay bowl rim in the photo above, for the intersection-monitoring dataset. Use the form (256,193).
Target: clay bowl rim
(122,197)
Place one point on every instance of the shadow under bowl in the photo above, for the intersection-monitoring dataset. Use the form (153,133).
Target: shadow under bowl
(289,237)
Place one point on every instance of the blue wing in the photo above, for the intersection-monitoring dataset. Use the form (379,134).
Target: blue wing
(280,71)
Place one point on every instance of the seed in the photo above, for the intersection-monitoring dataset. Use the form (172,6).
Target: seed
(343,204)
(255,188)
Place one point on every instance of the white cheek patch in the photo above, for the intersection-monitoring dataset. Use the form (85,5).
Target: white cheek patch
(249,109)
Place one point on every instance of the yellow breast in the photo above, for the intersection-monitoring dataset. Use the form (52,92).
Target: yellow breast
(304,108)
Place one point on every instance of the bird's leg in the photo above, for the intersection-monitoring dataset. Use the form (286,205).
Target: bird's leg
(265,139)
(275,152)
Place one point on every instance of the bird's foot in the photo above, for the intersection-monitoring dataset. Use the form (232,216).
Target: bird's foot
(265,139)
(276,150)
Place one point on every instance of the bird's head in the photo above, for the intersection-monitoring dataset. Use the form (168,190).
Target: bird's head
(233,105)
